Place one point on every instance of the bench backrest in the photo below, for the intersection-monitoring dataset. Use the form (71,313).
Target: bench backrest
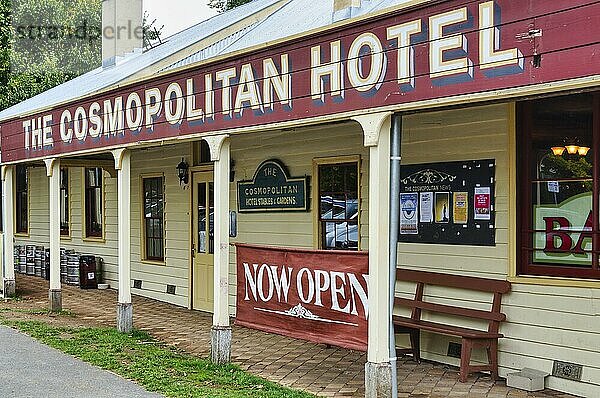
(422,278)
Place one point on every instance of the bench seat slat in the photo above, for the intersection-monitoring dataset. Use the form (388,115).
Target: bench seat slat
(455,281)
(451,310)
(444,329)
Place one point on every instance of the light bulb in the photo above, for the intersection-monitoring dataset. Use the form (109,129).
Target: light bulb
(558,150)
(583,150)
(572,149)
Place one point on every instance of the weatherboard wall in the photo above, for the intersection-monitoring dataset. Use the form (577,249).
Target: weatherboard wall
(154,276)
(297,149)
(544,323)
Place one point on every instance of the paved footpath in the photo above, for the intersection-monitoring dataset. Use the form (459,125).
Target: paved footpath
(316,368)
(30,369)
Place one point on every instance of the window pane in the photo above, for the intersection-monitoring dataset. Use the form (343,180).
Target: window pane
(93,202)
(154,217)
(64,202)
(202,217)
(21,195)
(338,202)
(561,182)
(339,206)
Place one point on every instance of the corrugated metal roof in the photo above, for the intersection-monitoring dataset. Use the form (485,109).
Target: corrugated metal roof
(291,19)
(99,78)
(212,50)
(285,22)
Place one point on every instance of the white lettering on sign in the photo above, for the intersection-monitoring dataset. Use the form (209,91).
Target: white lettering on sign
(257,87)
(344,291)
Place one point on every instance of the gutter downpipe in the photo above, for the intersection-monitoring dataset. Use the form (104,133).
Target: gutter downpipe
(395,157)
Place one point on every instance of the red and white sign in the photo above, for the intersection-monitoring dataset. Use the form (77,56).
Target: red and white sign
(319,296)
(448,49)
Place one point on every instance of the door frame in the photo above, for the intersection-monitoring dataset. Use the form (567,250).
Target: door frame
(208,168)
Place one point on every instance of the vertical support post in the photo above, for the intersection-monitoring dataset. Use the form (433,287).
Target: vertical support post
(221,330)
(124,306)
(378,369)
(55,292)
(8,266)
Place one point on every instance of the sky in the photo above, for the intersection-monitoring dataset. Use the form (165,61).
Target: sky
(177,15)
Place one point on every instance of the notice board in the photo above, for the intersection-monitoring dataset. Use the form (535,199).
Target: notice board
(448,203)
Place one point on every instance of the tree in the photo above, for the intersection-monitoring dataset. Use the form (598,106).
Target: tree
(225,5)
(44,43)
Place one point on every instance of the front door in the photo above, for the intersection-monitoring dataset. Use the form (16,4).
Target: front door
(203,241)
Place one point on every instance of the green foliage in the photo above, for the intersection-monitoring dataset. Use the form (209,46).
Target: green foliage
(137,356)
(45,43)
(225,5)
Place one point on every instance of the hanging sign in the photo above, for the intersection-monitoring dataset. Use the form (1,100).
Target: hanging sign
(272,189)
(315,295)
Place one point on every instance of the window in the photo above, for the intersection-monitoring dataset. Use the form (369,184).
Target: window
(93,203)
(22,201)
(338,206)
(559,187)
(64,202)
(154,218)
(201,153)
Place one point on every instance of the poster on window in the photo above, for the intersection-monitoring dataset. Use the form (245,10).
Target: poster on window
(409,204)
(315,295)
(564,231)
(426,207)
(442,207)
(460,207)
(483,203)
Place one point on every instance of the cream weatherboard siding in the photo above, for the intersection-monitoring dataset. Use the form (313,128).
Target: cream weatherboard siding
(39,219)
(296,148)
(544,323)
(154,277)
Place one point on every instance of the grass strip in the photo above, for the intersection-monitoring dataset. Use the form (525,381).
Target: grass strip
(156,367)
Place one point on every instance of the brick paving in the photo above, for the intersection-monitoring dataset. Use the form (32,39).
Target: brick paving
(316,368)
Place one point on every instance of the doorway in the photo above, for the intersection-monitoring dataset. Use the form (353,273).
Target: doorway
(203,241)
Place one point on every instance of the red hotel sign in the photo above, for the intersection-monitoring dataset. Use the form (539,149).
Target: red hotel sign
(446,49)
(320,296)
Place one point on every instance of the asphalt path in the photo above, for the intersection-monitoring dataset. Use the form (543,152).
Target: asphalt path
(31,369)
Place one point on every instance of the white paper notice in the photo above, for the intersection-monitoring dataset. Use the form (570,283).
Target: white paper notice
(426,207)
(408,214)
(483,203)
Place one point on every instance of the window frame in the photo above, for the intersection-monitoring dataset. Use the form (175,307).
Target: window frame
(85,236)
(67,234)
(18,232)
(143,238)
(317,227)
(523,201)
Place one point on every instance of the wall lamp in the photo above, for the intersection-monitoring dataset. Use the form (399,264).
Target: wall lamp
(183,172)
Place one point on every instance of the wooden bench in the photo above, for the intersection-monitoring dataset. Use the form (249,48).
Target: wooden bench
(470,338)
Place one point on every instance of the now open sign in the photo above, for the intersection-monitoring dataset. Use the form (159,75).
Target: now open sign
(319,296)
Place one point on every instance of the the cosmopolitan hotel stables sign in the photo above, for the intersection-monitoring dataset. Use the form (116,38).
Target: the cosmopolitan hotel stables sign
(399,58)
(272,190)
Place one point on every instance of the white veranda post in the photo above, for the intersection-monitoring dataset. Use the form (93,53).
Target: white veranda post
(124,306)
(54,294)
(378,371)
(221,330)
